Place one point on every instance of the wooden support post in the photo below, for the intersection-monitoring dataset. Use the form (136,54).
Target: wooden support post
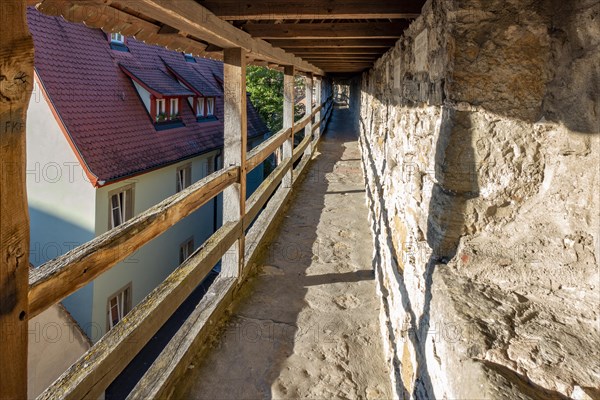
(235,128)
(308,86)
(318,101)
(288,118)
(16,83)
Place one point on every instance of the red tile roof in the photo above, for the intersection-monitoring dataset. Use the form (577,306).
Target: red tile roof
(194,78)
(100,109)
(157,82)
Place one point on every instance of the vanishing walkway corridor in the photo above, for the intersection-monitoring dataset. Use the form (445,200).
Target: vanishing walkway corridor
(307,326)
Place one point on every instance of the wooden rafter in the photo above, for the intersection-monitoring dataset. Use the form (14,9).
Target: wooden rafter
(340,57)
(186,16)
(314,9)
(341,30)
(300,51)
(333,43)
(320,27)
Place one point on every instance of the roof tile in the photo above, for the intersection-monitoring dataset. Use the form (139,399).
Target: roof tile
(101,110)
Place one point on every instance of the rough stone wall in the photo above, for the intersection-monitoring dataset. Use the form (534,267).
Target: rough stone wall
(480,140)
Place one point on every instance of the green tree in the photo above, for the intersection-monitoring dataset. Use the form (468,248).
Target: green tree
(265,87)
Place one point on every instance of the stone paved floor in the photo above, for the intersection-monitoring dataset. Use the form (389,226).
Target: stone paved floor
(308,324)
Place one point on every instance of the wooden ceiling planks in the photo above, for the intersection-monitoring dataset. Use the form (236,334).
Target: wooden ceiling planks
(315,37)
(311,10)
(333,43)
(186,16)
(332,34)
(338,30)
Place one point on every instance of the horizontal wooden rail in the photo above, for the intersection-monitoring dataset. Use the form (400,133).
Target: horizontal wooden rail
(171,364)
(89,377)
(160,379)
(299,150)
(60,277)
(177,355)
(266,148)
(301,123)
(260,196)
(99,366)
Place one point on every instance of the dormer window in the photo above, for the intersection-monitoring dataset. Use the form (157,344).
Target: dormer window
(189,57)
(161,95)
(200,108)
(174,109)
(205,108)
(117,42)
(161,110)
(117,38)
(166,109)
(210,106)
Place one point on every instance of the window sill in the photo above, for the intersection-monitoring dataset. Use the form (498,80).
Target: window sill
(206,119)
(119,47)
(164,125)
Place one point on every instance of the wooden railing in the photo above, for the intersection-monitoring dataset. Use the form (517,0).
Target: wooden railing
(99,366)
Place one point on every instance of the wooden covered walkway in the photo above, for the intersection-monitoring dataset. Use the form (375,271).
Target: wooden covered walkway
(321,42)
(307,326)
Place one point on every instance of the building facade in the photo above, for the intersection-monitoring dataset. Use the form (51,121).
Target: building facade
(114,127)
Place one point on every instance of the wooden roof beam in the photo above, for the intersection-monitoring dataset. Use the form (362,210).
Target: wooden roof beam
(112,20)
(343,63)
(341,57)
(290,44)
(341,30)
(314,9)
(300,51)
(183,15)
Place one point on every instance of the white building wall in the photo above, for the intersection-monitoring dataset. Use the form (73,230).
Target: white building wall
(150,265)
(67,211)
(55,343)
(60,197)
(144,95)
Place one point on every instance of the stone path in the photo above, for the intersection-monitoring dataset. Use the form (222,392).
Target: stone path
(308,324)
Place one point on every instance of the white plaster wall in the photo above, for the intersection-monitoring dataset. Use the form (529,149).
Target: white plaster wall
(61,199)
(57,185)
(144,95)
(55,342)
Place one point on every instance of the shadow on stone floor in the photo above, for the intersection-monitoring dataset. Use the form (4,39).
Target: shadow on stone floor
(262,339)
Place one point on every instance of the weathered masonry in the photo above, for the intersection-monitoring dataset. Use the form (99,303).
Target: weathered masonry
(480,136)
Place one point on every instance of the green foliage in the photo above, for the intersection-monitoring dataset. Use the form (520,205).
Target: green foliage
(265,87)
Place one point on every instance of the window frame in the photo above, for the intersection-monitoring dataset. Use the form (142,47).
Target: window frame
(201,100)
(187,177)
(157,111)
(189,57)
(125,214)
(210,100)
(113,38)
(186,247)
(123,304)
(177,115)
(208,166)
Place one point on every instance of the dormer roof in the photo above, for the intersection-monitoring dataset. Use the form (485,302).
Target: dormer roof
(156,81)
(191,75)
